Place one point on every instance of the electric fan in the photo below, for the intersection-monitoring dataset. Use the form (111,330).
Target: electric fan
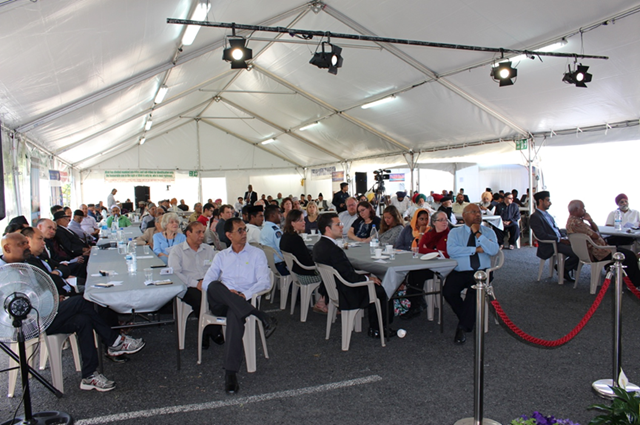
(29,301)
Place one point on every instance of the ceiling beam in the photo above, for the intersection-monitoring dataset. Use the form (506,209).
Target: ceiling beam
(324,104)
(424,69)
(282,129)
(255,145)
(57,113)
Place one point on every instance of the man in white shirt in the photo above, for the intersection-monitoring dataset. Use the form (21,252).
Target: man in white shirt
(401,202)
(111,198)
(190,261)
(76,227)
(630,218)
(254,226)
(349,216)
(460,203)
(89,223)
(237,273)
(238,206)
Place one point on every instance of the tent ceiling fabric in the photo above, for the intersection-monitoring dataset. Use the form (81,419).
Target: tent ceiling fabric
(79,79)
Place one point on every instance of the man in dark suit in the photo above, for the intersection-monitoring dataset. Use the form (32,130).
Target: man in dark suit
(327,252)
(69,241)
(54,252)
(250,197)
(544,227)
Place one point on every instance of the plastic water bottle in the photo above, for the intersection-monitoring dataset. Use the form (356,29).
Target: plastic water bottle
(618,220)
(132,265)
(114,227)
(131,247)
(375,242)
(104,231)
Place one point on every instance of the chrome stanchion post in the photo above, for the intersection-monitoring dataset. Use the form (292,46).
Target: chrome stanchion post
(478,369)
(604,386)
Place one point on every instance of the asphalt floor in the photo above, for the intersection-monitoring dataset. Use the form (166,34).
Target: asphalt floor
(421,379)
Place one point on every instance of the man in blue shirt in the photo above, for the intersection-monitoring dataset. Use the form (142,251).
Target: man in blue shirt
(544,227)
(271,234)
(472,246)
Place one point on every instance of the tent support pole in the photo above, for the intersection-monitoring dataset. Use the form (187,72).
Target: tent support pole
(199,161)
(530,197)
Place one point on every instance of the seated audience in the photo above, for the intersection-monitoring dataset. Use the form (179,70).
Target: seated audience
(630,218)
(323,205)
(170,236)
(325,251)
(89,224)
(67,241)
(412,233)
(391,226)
(152,210)
(460,203)
(311,220)
(510,216)
(121,219)
(401,201)
(580,221)
(76,227)
(544,227)
(77,315)
(292,243)
(226,212)
(361,228)
(486,206)
(155,226)
(182,206)
(236,274)
(190,261)
(447,208)
(472,246)
(271,234)
(197,212)
(348,216)
(255,216)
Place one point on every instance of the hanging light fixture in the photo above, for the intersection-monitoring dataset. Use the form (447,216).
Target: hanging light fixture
(579,76)
(148,124)
(331,60)
(237,53)
(504,73)
(144,139)
(162,92)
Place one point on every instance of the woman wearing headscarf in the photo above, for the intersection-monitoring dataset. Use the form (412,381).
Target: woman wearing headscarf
(411,235)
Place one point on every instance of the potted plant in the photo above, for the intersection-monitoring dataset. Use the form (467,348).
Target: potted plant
(538,418)
(624,410)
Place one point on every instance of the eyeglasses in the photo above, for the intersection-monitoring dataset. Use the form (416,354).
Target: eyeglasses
(240,230)
(442,219)
(338,224)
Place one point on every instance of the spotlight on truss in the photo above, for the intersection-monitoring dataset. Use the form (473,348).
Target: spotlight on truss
(504,73)
(579,76)
(331,60)
(237,53)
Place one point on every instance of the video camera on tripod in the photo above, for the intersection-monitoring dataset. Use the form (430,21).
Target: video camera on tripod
(380,176)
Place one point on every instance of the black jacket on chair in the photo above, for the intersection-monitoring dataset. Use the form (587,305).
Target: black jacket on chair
(327,252)
(70,242)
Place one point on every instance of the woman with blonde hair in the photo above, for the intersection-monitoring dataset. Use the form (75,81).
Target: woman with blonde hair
(311,220)
(170,237)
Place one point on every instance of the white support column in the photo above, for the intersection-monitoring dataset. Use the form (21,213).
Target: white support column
(199,162)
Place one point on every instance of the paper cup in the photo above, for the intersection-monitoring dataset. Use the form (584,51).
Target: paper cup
(401,333)
(377,252)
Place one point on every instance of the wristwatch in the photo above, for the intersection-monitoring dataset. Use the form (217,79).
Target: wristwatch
(477,232)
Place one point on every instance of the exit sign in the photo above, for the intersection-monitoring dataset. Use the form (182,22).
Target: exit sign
(521,144)
(193,174)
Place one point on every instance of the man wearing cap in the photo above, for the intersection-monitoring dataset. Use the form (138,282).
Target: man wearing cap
(121,220)
(340,198)
(323,205)
(111,199)
(447,208)
(401,202)
(544,227)
(255,216)
(630,218)
(75,225)
(66,239)
(420,203)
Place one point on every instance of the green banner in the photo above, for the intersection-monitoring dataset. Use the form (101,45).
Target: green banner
(139,176)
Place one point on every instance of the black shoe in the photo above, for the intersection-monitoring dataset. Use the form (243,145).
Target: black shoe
(231,383)
(270,326)
(117,359)
(568,277)
(375,333)
(218,339)
(460,337)
(414,312)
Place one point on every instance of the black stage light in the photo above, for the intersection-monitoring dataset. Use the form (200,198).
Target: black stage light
(579,77)
(504,73)
(332,60)
(237,53)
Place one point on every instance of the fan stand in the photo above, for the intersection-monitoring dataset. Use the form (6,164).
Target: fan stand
(40,418)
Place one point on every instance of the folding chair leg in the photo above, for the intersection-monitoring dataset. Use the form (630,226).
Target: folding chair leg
(294,296)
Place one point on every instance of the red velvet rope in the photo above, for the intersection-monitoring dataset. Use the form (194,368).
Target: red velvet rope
(632,287)
(568,337)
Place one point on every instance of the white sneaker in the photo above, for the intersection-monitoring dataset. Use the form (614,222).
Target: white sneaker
(98,382)
(127,345)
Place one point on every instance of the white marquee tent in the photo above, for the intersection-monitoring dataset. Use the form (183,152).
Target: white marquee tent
(78,79)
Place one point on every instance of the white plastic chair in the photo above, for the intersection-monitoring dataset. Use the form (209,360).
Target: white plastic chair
(183,310)
(557,257)
(350,318)
(306,291)
(579,246)
(248,339)
(54,345)
(284,281)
